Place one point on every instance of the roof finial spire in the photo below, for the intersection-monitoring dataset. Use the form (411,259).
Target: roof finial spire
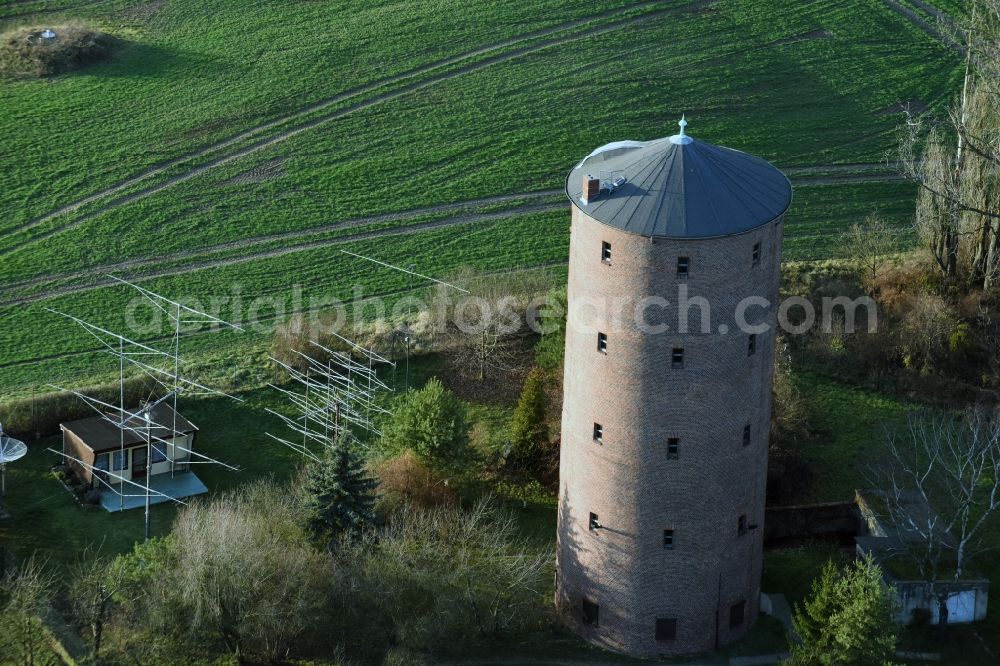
(681,139)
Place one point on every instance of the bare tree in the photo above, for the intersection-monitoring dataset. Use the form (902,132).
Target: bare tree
(871,245)
(939,487)
(957,161)
(924,331)
(439,573)
(245,572)
(25,594)
(96,583)
(482,325)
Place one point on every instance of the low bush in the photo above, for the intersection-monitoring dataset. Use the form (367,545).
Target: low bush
(41,415)
(405,479)
(25,52)
(431,422)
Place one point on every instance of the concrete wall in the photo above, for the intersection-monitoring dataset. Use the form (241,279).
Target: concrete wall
(641,400)
(967,600)
(837,519)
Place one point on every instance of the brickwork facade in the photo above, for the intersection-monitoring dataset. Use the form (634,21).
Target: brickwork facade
(675,481)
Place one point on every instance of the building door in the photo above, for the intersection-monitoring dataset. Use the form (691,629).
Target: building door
(962,607)
(139,463)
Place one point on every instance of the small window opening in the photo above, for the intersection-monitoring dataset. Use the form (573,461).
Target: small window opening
(666,628)
(736,613)
(591,612)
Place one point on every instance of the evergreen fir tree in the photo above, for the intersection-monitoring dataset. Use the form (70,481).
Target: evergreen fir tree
(848,621)
(340,493)
(527,430)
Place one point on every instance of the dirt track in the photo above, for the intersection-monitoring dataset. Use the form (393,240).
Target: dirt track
(930,29)
(810,176)
(603,26)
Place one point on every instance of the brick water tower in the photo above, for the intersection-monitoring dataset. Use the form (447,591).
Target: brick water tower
(675,249)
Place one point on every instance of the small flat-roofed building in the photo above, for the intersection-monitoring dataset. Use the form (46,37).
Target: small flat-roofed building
(112,458)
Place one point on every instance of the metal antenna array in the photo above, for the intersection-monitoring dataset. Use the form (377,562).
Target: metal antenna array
(337,396)
(163,369)
(405,332)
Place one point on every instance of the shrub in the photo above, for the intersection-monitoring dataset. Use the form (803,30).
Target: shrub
(431,422)
(237,571)
(433,575)
(551,348)
(528,429)
(42,414)
(25,53)
(405,479)
(789,416)
(26,592)
(927,324)
(960,340)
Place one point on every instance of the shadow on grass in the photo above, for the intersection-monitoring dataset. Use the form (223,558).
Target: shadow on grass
(145,60)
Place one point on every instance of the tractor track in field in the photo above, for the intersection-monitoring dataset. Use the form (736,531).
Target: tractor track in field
(48,10)
(602,27)
(932,30)
(804,176)
(292,249)
(298,234)
(270,318)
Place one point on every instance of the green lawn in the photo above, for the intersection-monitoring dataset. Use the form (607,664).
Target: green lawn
(403,106)
(45,518)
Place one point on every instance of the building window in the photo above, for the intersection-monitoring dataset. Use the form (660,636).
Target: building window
(606,252)
(666,628)
(741,527)
(598,433)
(101,462)
(682,267)
(119,461)
(591,612)
(752,344)
(668,539)
(159,452)
(677,358)
(593,524)
(756,254)
(673,448)
(602,343)
(746,435)
(736,613)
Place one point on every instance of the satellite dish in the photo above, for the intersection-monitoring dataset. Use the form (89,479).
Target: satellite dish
(10,450)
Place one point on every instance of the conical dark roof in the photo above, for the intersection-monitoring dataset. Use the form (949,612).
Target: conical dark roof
(679,187)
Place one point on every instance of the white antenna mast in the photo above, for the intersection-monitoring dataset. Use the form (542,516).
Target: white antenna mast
(336,396)
(163,369)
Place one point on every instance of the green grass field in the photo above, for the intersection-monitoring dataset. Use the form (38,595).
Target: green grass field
(234,148)
(243,146)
